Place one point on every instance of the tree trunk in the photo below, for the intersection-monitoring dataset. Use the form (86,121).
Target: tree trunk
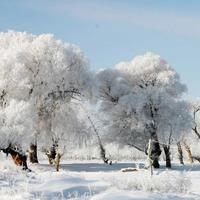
(57,161)
(24,163)
(155,154)
(49,159)
(51,154)
(167,155)
(156,163)
(19,158)
(156,151)
(33,153)
(103,154)
(102,149)
(155,146)
(180,153)
(188,150)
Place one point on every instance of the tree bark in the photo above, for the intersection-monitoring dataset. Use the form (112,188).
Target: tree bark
(33,153)
(57,161)
(188,150)
(167,156)
(156,151)
(19,159)
(24,163)
(180,153)
(156,163)
(49,159)
(52,154)
(155,146)
(103,155)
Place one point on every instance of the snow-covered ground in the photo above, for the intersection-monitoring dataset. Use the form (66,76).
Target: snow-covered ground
(82,180)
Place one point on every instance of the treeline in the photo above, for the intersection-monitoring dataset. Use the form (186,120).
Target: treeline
(49,96)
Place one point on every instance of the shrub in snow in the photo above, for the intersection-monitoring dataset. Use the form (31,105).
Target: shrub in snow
(161,182)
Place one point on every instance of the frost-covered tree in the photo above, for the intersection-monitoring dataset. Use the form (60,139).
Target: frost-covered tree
(42,71)
(142,100)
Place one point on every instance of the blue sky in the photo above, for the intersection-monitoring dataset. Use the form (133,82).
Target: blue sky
(116,30)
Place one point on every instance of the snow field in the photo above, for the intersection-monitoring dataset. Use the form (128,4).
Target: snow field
(95,181)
